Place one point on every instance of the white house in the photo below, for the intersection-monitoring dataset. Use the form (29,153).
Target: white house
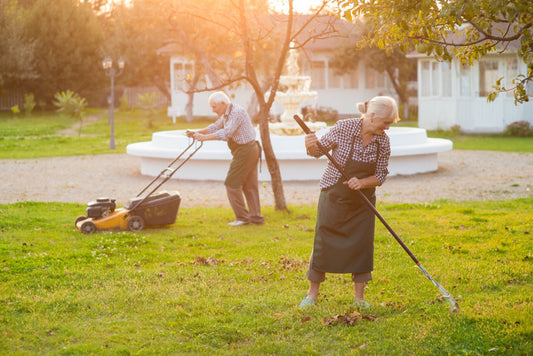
(451,94)
(339,92)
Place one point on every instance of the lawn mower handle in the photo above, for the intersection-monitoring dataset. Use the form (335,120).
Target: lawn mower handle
(170,172)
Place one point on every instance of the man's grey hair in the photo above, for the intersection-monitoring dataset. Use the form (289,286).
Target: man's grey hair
(218,97)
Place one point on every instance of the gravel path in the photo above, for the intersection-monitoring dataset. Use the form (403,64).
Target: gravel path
(462,175)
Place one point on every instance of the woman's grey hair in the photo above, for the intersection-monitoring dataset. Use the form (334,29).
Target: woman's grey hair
(384,107)
(218,97)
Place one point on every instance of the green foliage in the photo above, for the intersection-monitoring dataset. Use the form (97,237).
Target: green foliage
(124,103)
(322,113)
(148,106)
(519,129)
(136,33)
(70,103)
(455,130)
(15,109)
(16,49)
(147,101)
(389,60)
(464,29)
(201,287)
(68,42)
(29,104)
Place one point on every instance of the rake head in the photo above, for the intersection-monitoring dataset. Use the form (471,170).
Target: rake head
(453,306)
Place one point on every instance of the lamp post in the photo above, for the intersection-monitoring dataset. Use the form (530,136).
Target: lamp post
(111,72)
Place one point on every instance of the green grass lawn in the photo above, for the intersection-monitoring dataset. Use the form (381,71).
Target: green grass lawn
(40,135)
(201,287)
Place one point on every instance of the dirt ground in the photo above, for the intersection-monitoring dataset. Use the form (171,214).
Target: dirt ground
(462,175)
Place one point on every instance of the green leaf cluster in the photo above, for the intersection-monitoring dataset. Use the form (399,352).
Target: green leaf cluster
(68,41)
(465,29)
(70,103)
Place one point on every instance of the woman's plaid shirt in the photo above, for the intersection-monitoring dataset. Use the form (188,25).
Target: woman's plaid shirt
(339,140)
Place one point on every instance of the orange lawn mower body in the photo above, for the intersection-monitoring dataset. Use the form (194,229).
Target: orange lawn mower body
(151,210)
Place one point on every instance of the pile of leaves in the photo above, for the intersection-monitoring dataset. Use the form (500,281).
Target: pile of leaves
(349,318)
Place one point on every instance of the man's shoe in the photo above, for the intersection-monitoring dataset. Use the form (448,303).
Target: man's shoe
(238,223)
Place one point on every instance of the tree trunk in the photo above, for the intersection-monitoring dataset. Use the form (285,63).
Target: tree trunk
(270,158)
(189,108)
(400,90)
(190,94)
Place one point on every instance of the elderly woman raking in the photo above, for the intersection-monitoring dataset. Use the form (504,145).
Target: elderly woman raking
(344,234)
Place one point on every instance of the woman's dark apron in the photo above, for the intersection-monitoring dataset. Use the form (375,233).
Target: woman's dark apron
(344,237)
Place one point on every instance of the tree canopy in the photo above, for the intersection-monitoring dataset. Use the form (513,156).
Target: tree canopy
(466,29)
(16,50)
(68,41)
(256,43)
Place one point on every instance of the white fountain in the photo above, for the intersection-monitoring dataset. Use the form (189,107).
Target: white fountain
(296,91)
(411,150)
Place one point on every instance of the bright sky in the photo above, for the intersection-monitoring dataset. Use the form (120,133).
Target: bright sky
(299,5)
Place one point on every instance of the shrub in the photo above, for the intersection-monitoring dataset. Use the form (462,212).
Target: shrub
(15,110)
(124,103)
(313,113)
(147,104)
(29,104)
(518,129)
(70,104)
(42,104)
(455,130)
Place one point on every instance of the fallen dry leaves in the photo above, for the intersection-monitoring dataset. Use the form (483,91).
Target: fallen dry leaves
(348,318)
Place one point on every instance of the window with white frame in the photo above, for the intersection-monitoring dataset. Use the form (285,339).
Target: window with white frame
(334,80)
(464,81)
(446,72)
(325,77)
(351,80)
(374,79)
(435,79)
(511,71)
(183,75)
(318,75)
(488,75)
(370,78)
(529,88)
(425,83)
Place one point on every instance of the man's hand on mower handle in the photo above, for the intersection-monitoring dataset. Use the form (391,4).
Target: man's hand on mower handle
(198,136)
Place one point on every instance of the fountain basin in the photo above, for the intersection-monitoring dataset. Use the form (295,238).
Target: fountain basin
(411,152)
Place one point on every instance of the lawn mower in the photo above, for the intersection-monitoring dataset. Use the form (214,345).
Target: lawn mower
(151,210)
